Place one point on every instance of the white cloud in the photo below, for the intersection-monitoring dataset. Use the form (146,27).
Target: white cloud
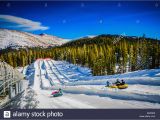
(23,23)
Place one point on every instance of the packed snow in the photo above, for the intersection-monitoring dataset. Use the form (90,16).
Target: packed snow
(82,90)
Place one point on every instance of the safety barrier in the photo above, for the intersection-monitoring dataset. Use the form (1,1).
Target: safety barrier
(11,80)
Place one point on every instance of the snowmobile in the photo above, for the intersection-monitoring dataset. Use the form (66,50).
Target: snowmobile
(57,93)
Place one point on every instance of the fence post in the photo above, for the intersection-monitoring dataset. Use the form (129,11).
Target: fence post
(5,78)
(20,87)
(16,88)
(10,91)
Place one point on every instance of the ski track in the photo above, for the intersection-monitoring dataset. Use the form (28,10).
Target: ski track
(81,90)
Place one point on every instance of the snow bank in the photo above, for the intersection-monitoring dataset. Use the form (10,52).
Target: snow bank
(115,94)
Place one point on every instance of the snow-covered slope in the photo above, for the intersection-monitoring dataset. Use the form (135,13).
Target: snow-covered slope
(82,90)
(16,39)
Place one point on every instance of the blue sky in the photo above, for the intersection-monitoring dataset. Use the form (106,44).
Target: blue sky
(72,20)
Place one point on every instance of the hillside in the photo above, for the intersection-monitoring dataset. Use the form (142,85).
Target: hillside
(107,39)
(104,54)
(18,39)
(112,54)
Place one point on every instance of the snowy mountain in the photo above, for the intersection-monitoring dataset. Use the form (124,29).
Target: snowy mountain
(17,39)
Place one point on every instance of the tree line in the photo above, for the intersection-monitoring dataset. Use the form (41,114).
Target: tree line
(104,54)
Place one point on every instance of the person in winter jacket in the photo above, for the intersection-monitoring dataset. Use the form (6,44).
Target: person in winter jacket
(117,82)
(122,82)
(60,90)
(107,84)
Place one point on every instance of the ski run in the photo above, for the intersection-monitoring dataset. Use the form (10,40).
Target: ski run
(82,90)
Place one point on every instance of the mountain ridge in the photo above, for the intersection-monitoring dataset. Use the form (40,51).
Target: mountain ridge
(107,38)
(18,39)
